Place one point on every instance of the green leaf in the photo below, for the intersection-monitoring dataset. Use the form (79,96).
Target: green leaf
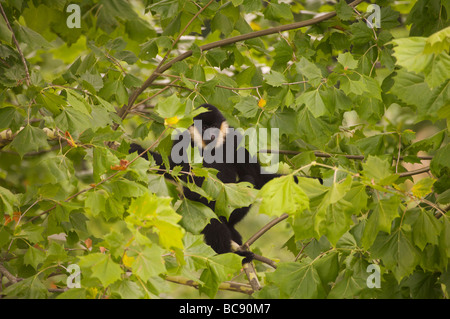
(52,102)
(72,121)
(397,252)
(426,229)
(78,102)
(29,139)
(351,281)
(148,263)
(378,170)
(5,33)
(328,268)
(441,161)
(96,202)
(344,11)
(444,238)
(102,267)
(310,71)
(283,53)
(233,196)
(29,288)
(389,18)
(30,37)
(127,289)
(275,78)
(361,33)
(282,195)
(195,215)
(218,269)
(7,201)
(411,88)
(439,98)
(33,257)
(170,107)
(333,215)
(409,53)
(216,56)
(114,87)
(347,60)
(278,11)
(6,116)
(314,102)
(349,85)
(248,106)
(438,72)
(297,281)
(381,218)
(373,145)
(307,123)
(431,143)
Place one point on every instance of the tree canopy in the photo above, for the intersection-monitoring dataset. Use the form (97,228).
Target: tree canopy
(358,92)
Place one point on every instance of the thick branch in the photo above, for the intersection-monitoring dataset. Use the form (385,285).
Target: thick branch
(415,172)
(256,34)
(8,275)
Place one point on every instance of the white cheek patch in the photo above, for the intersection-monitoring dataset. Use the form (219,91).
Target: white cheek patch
(197,137)
(222,133)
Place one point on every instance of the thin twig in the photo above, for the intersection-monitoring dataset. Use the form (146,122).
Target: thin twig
(265,260)
(154,95)
(263,230)
(16,43)
(326,155)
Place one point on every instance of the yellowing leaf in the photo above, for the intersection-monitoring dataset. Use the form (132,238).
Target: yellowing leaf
(127,261)
(423,187)
(255,26)
(171,120)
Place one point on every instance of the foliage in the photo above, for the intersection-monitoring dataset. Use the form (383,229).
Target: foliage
(71,194)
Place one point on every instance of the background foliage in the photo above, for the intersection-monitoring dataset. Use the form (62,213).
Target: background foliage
(68,195)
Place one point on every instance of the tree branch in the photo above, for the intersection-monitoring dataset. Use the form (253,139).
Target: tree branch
(8,275)
(16,43)
(263,230)
(327,155)
(227,285)
(247,36)
(415,172)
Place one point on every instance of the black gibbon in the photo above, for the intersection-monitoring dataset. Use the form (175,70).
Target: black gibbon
(234,164)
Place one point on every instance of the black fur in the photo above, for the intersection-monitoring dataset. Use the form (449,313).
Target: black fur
(220,233)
